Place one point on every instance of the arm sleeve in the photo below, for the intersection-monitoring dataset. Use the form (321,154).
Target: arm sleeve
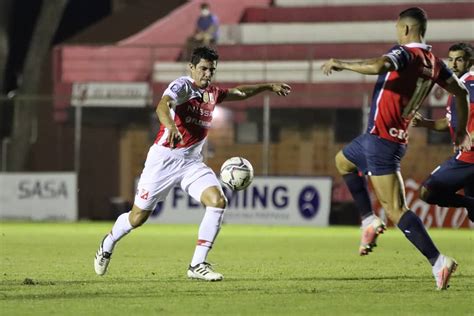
(177,90)
(445,74)
(399,57)
(221,94)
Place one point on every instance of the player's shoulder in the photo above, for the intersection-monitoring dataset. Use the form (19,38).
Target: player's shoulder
(398,50)
(182,81)
(418,49)
(468,77)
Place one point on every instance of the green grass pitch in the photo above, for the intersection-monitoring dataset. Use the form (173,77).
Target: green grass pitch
(47,269)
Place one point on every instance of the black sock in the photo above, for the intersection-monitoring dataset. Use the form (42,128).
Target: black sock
(450,199)
(360,193)
(413,228)
(469,192)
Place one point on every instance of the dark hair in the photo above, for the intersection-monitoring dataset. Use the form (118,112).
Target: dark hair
(465,47)
(204,5)
(203,52)
(419,15)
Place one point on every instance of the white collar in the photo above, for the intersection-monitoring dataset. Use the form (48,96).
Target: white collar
(419,45)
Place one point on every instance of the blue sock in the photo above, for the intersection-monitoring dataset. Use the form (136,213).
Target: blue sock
(360,193)
(415,231)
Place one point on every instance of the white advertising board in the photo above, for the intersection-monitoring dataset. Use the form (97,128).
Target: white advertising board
(38,196)
(298,201)
(111,94)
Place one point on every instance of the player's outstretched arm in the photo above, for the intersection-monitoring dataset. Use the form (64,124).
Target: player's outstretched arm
(247,91)
(374,66)
(439,125)
(164,115)
(462,138)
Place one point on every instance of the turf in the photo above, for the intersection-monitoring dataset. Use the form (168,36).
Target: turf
(46,269)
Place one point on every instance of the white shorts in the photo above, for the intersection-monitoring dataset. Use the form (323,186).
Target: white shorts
(165,169)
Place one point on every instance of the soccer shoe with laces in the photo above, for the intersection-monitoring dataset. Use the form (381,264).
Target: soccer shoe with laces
(204,271)
(443,270)
(102,260)
(369,236)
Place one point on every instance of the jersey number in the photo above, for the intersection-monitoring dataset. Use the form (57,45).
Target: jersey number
(423,86)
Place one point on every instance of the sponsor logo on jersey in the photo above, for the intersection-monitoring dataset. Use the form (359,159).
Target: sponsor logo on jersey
(143,194)
(398,133)
(175,88)
(198,122)
(199,110)
(208,98)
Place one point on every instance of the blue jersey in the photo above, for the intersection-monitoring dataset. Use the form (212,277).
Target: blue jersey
(398,94)
(451,115)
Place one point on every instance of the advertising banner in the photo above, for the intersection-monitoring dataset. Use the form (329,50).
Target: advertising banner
(38,196)
(431,215)
(299,201)
(111,94)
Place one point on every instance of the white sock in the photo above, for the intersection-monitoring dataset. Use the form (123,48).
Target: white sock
(121,227)
(438,264)
(208,230)
(367,221)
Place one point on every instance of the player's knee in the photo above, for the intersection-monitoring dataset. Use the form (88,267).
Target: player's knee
(342,164)
(217,201)
(394,216)
(425,194)
(138,217)
(394,212)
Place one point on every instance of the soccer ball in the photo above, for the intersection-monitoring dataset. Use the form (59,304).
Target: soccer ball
(237,173)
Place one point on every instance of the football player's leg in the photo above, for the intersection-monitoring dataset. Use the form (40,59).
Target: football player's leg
(147,197)
(441,186)
(390,192)
(124,224)
(206,189)
(156,180)
(351,164)
(469,192)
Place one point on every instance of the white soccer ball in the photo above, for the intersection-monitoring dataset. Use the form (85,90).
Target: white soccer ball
(237,173)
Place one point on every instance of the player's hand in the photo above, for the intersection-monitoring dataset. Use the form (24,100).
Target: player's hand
(281,88)
(330,65)
(418,120)
(462,141)
(174,137)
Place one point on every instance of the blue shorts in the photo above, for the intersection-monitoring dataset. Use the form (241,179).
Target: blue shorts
(374,155)
(451,176)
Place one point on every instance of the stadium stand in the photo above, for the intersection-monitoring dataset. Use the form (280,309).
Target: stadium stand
(255,32)
(290,43)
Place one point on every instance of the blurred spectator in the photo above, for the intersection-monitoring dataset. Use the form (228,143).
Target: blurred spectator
(206,32)
(207,27)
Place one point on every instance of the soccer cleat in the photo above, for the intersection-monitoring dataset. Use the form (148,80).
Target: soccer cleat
(443,271)
(101,260)
(204,271)
(369,236)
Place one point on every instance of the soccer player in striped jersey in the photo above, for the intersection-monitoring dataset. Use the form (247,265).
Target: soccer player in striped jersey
(185,112)
(457,172)
(406,75)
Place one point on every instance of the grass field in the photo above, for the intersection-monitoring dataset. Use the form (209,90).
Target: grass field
(46,269)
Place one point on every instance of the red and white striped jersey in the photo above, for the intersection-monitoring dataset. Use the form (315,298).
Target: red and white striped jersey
(192,114)
(398,94)
(451,115)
